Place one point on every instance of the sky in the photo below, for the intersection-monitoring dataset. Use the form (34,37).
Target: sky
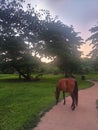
(82,14)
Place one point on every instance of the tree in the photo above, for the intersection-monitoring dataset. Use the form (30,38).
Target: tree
(25,34)
(95,64)
(18,28)
(86,65)
(61,42)
(94,41)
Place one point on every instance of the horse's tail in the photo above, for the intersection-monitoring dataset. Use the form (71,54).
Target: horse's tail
(76,92)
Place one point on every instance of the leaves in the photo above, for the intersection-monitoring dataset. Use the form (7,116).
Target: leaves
(23,33)
(94,42)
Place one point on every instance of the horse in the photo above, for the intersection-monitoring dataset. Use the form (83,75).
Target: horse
(67,85)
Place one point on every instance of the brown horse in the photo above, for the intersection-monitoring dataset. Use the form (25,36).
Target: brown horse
(68,85)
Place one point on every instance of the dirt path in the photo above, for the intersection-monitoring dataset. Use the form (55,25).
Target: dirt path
(85,117)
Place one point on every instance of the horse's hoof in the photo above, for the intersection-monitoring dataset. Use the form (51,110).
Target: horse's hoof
(73,108)
(56,103)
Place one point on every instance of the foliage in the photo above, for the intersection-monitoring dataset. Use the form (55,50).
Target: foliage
(18,29)
(25,35)
(94,41)
(86,66)
(61,42)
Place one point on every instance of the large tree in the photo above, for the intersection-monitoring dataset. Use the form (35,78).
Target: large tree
(18,28)
(27,34)
(61,42)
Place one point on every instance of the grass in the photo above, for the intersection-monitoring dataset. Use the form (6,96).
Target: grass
(93,76)
(23,103)
(97,103)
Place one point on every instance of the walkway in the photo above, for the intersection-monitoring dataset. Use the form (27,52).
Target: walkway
(85,116)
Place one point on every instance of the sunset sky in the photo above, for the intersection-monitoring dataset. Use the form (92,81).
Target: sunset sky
(82,14)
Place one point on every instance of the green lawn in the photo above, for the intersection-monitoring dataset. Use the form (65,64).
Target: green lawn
(97,103)
(93,76)
(23,103)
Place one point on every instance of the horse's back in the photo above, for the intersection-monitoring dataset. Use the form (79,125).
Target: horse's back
(66,84)
(71,84)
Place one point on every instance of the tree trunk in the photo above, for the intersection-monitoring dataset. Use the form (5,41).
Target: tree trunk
(26,76)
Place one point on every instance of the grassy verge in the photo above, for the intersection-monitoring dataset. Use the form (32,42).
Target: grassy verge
(97,103)
(23,103)
(92,76)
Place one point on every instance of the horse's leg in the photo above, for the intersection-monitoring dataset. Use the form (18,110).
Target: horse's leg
(76,93)
(64,98)
(73,102)
(76,100)
(57,98)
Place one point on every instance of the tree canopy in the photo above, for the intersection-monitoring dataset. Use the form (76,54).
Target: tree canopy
(18,29)
(62,43)
(26,34)
(94,41)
